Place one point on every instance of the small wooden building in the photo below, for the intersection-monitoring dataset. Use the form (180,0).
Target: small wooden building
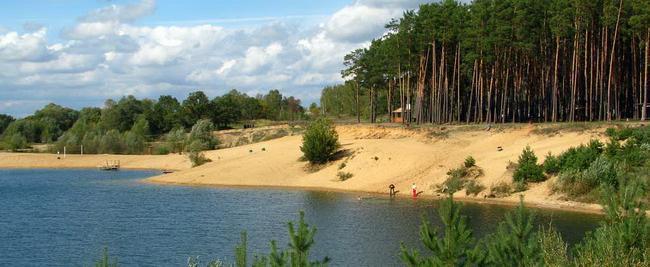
(397,116)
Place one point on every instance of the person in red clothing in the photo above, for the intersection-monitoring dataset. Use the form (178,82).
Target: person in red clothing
(415,190)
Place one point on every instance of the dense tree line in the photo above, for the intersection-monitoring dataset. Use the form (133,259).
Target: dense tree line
(500,61)
(5,120)
(123,126)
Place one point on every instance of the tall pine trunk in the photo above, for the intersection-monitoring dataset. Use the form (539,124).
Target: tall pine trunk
(644,107)
(555,79)
(611,63)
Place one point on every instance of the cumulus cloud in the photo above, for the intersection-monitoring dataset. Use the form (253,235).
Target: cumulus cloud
(26,47)
(126,13)
(106,54)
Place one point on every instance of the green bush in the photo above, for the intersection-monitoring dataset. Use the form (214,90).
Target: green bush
(175,138)
(161,149)
(470,162)
(342,165)
(16,142)
(452,184)
(112,143)
(584,185)
(554,249)
(623,239)
(519,186)
(344,176)
(320,141)
(91,142)
(501,189)
(601,172)
(551,164)
(134,143)
(461,177)
(527,168)
(198,158)
(473,188)
(579,158)
(201,137)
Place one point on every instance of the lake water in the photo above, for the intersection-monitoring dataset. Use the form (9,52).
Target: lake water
(66,217)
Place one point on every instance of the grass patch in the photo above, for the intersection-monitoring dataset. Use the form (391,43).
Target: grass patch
(461,177)
(344,176)
(584,171)
(473,187)
(438,134)
(161,149)
(275,135)
(551,129)
(342,165)
(519,187)
(499,190)
(198,158)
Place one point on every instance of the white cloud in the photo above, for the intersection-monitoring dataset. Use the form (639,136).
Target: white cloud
(26,47)
(127,13)
(105,54)
(357,23)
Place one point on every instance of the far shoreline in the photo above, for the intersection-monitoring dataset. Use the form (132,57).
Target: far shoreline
(379,156)
(489,201)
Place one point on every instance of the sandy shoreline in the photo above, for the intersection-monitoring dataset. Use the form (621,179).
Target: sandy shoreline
(132,162)
(565,206)
(376,157)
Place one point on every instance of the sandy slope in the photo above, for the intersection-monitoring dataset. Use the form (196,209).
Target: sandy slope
(380,156)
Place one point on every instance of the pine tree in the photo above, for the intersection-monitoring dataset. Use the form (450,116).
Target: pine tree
(454,248)
(515,243)
(624,238)
(527,168)
(517,60)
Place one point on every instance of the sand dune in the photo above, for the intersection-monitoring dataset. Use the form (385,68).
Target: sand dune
(379,156)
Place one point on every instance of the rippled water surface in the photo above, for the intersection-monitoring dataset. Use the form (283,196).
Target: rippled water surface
(66,217)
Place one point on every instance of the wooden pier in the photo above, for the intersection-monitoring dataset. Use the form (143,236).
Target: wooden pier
(112,165)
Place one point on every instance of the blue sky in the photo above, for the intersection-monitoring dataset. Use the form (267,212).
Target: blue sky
(80,53)
(57,14)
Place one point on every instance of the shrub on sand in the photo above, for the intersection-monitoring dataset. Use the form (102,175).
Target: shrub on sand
(198,158)
(470,162)
(527,168)
(320,141)
(473,188)
(344,175)
(501,189)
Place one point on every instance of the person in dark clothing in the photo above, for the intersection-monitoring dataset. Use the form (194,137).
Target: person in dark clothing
(391,190)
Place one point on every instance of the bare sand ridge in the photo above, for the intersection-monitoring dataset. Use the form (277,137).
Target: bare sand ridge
(376,156)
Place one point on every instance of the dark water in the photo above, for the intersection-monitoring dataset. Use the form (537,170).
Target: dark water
(66,217)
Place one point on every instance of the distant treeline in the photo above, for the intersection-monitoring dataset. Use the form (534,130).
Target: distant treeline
(123,126)
(504,61)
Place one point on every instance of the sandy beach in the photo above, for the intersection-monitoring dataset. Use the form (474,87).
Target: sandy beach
(376,156)
(43,160)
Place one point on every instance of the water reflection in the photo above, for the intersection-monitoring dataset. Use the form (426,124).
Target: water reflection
(65,217)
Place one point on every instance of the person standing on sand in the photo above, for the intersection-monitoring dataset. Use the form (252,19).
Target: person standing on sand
(391,190)
(415,190)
